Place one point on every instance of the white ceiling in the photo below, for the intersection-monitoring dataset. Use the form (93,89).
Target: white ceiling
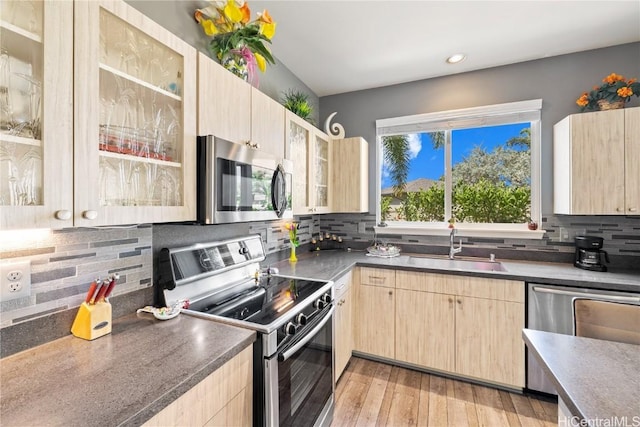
(343,46)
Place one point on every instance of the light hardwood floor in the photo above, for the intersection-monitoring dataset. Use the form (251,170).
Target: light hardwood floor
(376,394)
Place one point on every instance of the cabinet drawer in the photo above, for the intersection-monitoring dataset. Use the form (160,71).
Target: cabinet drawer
(426,282)
(378,277)
(342,285)
(495,289)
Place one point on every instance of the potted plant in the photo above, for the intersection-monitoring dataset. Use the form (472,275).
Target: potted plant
(613,93)
(298,103)
(237,42)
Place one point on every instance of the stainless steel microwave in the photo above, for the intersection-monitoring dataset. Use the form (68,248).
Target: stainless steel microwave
(240,183)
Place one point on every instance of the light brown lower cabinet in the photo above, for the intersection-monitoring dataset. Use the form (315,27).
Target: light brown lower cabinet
(344,324)
(425,329)
(224,398)
(489,342)
(468,326)
(374,327)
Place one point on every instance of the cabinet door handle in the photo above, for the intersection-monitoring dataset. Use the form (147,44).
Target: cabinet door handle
(63,214)
(90,214)
(378,278)
(632,209)
(459,302)
(619,210)
(390,292)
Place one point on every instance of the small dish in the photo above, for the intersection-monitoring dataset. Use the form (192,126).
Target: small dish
(162,313)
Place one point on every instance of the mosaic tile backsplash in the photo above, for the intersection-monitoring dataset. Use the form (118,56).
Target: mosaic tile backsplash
(621,238)
(65,262)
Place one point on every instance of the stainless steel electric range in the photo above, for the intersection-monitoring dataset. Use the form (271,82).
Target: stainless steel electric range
(293,316)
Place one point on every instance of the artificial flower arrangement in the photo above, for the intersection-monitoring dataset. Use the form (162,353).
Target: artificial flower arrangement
(292,227)
(613,90)
(238,42)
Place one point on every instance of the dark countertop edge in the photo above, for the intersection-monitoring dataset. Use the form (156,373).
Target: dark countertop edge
(560,388)
(180,389)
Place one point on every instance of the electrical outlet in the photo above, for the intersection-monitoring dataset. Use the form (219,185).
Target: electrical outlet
(15,280)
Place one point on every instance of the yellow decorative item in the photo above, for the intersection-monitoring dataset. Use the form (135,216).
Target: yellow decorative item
(92,321)
(292,255)
(292,227)
(613,93)
(237,42)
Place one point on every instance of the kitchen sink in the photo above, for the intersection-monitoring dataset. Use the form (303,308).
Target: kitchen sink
(467,264)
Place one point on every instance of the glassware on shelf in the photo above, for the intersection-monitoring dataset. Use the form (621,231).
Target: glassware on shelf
(21,172)
(6,117)
(26,107)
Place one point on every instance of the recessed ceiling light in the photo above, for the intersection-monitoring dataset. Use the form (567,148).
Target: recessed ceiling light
(458,57)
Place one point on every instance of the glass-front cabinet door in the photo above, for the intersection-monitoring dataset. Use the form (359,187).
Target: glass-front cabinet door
(321,173)
(298,149)
(36,114)
(308,149)
(134,118)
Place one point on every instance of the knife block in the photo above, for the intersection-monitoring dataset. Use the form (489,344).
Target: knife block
(92,321)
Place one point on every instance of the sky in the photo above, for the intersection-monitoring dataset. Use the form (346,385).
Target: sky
(429,163)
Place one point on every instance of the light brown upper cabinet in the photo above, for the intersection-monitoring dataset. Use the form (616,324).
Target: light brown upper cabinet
(101,120)
(36,114)
(310,150)
(595,163)
(232,109)
(350,176)
(134,118)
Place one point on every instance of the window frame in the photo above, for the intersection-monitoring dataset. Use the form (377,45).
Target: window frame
(513,112)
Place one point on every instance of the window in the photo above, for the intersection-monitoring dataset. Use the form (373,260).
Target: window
(478,167)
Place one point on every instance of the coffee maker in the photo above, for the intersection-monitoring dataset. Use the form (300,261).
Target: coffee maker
(589,253)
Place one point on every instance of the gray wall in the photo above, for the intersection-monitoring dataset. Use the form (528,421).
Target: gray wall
(177,17)
(558,81)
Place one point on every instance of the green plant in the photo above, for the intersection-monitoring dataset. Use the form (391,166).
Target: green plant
(298,103)
(385,207)
(423,205)
(487,202)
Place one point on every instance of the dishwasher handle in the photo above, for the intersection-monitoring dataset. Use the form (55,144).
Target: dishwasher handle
(618,298)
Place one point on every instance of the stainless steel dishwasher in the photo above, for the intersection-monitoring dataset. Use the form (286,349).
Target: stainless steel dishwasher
(550,308)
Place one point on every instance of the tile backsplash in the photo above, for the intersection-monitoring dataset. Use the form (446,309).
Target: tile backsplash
(621,236)
(65,262)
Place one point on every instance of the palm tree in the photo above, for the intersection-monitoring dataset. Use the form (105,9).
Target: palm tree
(396,156)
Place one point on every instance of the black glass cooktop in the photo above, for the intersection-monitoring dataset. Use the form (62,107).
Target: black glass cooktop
(262,303)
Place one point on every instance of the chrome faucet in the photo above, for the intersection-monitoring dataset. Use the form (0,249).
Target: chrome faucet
(453,250)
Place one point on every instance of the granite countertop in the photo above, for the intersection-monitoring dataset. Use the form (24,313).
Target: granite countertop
(596,379)
(123,378)
(330,265)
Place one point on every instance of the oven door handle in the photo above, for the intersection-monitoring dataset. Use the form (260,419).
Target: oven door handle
(586,295)
(310,335)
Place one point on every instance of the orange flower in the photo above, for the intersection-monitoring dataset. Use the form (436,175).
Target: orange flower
(583,101)
(265,17)
(624,92)
(612,78)
(246,13)
(631,81)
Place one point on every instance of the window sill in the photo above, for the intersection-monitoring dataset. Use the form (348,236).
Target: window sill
(499,231)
